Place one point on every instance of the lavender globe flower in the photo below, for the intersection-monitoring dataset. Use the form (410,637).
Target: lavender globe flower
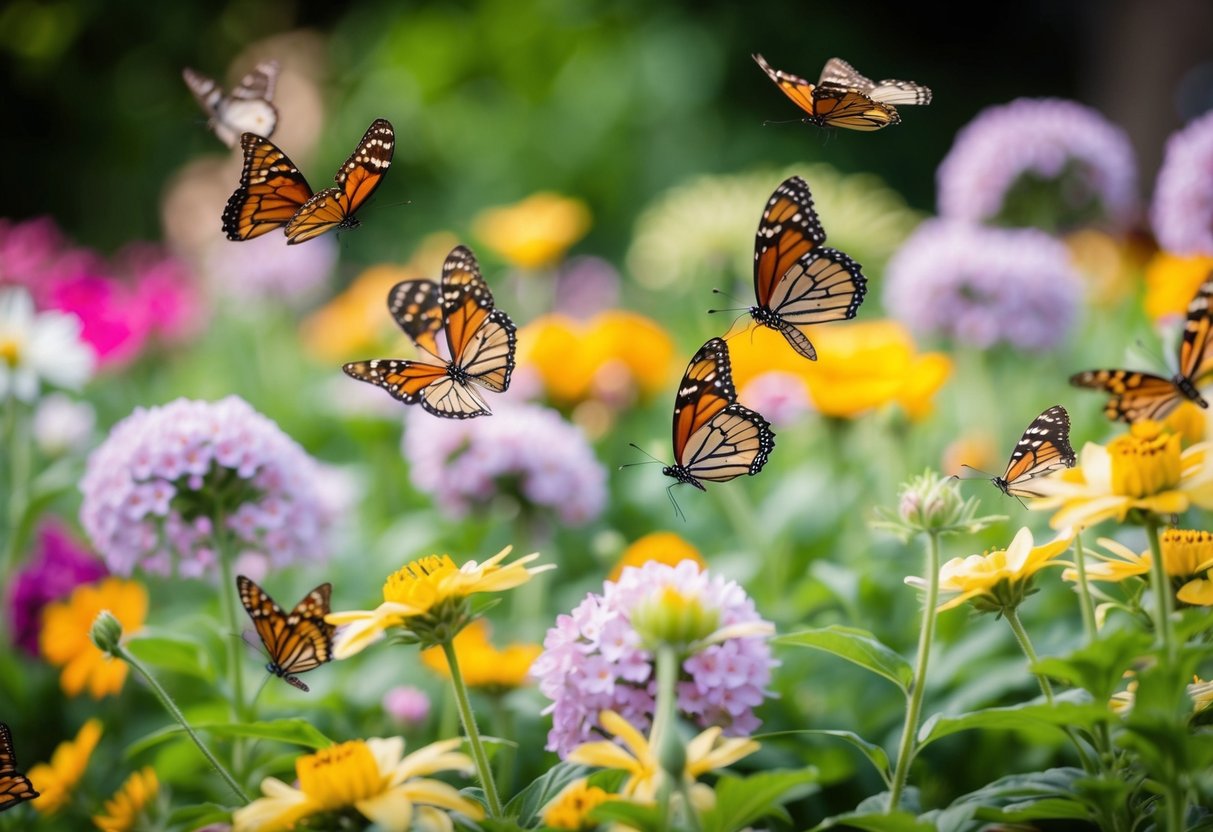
(593,659)
(983,286)
(1045,162)
(165,478)
(523,449)
(1182,210)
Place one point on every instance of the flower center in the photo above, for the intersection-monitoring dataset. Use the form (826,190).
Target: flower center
(1145,461)
(1186,552)
(10,351)
(419,583)
(340,775)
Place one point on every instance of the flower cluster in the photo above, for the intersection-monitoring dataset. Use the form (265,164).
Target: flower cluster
(594,659)
(1182,210)
(58,566)
(170,480)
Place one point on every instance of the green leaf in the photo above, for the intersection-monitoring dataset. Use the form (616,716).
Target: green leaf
(877,822)
(528,803)
(857,646)
(1033,718)
(1099,667)
(171,651)
(1042,795)
(742,800)
(644,818)
(198,815)
(874,753)
(293,731)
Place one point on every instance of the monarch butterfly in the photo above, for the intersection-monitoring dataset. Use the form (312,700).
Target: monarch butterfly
(1043,449)
(844,98)
(480,339)
(246,109)
(297,642)
(715,438)
(1136,395)
(14,786)
(797,281)
(273,193)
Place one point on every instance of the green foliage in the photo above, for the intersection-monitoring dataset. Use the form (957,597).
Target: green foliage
(857,646)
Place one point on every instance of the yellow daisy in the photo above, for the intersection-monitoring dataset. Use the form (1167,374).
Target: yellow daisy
(569,808)
(534,232)
(56,779)
(481,664)
(663,547)
(126,810)
(65,637)
(1187,557)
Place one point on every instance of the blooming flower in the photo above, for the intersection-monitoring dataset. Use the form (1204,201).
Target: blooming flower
(1044,162)
(427,592)
(1143,469)
(354,320)
(1187,557)
(585,285)
(595,660)
(525,451)
(56,780)
(38,348)
(999,579)
(62,424)
(58,566)
(1122,563)
(407,705)
(661,547)
(371,776)
(570,808)
(267,268)
(65,640)
(126,810)
(1182,210)
(984,286)
(27,251)
(480,663)
(156,488)
(535,232)
(779,396)
(1171,283)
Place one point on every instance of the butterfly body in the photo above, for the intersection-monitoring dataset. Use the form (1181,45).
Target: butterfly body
(246,109)
(14,787)
(297,641)
(1043,449)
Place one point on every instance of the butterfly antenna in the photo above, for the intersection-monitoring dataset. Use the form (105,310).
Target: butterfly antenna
(788,121)
(729,332)
(651,459)
(983,474)
(669,492)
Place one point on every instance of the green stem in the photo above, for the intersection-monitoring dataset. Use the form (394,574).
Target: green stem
(175,712)
(19,473)
(905,752)
(1089,627)
(671,754)
(1177,807)
(1162,590)
(503,726)
(227,603)
(479,757)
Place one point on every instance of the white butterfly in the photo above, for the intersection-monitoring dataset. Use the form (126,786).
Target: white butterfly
(840,74)
(246,109)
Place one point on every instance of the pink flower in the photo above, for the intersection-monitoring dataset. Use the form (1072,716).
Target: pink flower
(1182,210)
(407,705)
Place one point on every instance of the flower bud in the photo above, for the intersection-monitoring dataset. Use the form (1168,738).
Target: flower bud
(932,503)
(106,632)
(669,617)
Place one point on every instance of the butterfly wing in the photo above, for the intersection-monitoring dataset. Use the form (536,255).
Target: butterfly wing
(482,338)
(419,382)
(356,181)
(837,107)
(416,306)
(789,229)
(270,193)
(247,109)
(1195,355)
(793,86)
(1043,449)
(258,84)
(297,642)
(839,73)
(1133,396)
(14,787)
(206,92)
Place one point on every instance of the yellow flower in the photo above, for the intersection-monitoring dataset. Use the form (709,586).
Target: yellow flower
(996,579)
(56,779)
(535,232)
(1122,564)
(480,663)
(1144,469)
(662,547)
(1187,556)
(371,776)
(569,808)
(65,635)
(1109,265)
(429,592)
(125,810)
(1172,281)
(861,366)
(1189,420)
(1201,693)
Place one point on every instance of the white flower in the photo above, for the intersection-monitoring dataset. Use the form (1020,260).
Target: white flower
(62,424)
(39,347)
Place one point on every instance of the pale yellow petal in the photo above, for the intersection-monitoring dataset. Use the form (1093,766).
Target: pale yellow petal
(437,793)
(390,810)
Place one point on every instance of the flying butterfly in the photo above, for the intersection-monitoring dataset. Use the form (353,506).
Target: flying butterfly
(1135,395)
(273,193)
(246,109)
(1043,449)
(844,98)
(480,341)
(14,787)
(297,642)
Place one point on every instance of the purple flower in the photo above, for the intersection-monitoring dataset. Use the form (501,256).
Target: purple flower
(780,396)
(266,267)
(1182,210)
(407,705)
(523,450)
(586,285)
(156,487)
(1044,162)
(593,659)
(58,566)
(982,286)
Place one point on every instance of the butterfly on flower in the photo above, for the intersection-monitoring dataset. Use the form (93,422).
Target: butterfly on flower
(273,193)
(1043,449)
(246,109)
(297,642)
(14,786)
(1135,395)
(480,341)
(844,98)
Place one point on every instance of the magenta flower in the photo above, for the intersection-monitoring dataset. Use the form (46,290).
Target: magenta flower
(27,251)
(158,486)
(163,300)
(593,659)
(1182,210)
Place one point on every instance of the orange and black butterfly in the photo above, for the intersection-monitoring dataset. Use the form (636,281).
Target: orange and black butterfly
(715,438)
(844,98)
(480,340)
(797,281)
(14,787)
(297,642)
(1136,395)
(1043,449)
(246,109)
(273,193)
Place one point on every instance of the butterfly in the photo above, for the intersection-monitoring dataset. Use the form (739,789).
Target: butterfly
(480,339)
(715,438)
(1136,395)
(246,109)
(14,786)
(797,281)
(844,98)
(273,193)
(1043,449)
(297,642)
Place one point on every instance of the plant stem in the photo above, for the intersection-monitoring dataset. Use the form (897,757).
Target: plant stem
(19,468)
(663,724)
(503,726)
(481,759)
(227,603)
(905,753)
(1162,590)
(175,712)
(1089,627)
